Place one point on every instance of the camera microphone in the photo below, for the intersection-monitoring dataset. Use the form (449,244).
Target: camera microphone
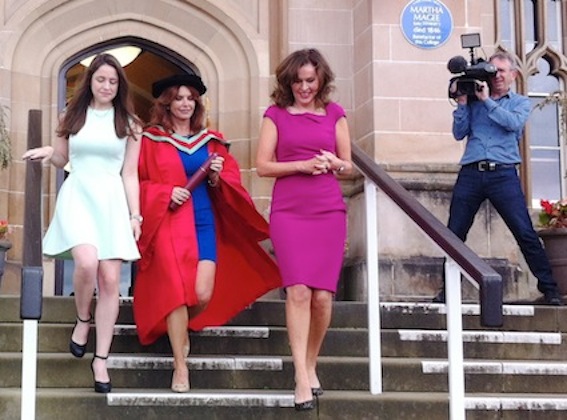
(457,64)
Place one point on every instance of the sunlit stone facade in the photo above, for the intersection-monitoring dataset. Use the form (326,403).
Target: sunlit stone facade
(395,94)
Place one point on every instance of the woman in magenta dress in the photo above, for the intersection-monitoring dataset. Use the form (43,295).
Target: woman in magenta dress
(305,144)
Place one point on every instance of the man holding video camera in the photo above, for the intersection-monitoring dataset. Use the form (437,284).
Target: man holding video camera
(492,120)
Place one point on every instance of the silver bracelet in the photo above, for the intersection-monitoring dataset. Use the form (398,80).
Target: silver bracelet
(137,217)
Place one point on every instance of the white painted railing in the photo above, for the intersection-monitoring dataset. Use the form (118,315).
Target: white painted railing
(460,259)
(374,325)
(454,317)
(29,369)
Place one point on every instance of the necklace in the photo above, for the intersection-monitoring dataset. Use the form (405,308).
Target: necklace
(100,113)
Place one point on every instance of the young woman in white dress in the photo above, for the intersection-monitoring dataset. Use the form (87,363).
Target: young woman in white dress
(97,217)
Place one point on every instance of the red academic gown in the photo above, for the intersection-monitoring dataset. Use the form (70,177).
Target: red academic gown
(166,272)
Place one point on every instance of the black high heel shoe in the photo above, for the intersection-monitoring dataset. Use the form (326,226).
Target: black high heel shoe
(101,387)
(305,405)
(317,392)
(78,350)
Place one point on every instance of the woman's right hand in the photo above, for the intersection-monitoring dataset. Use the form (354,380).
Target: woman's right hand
(180,195)
(44,153)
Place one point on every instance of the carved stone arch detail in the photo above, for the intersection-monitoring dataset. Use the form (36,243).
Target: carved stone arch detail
(522,70)
(556,62)
(153,62)
(219,43)
(554,59)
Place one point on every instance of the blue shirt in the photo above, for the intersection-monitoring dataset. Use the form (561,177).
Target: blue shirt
(493,128)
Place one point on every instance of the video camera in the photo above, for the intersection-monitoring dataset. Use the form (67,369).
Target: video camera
(469,74)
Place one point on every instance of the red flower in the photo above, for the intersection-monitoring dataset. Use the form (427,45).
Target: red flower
(3,228)
(553,214)
(547,206)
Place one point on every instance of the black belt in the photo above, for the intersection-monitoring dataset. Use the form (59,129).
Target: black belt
(485,165)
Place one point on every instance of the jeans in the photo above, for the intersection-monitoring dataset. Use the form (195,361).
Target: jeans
(503,189)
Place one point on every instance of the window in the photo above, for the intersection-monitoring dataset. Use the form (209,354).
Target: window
(553,24)
(507,25)
(530,25)
(544,139)
(540,52)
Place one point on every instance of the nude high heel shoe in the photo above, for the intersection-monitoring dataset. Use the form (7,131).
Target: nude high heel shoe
(181,386)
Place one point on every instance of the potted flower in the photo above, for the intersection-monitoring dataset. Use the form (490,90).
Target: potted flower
(5,245)
(553,232)
(553,215)
(5,159)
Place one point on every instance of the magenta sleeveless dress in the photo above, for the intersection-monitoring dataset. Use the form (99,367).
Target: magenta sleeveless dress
(308,214)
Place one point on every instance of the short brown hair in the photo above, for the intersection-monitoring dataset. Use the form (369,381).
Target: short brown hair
(286,75)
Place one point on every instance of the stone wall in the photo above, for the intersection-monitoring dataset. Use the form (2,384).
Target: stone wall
(394,95)
(411,264)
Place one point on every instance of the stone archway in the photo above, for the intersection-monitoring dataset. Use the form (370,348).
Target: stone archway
(222,50)
(151,62)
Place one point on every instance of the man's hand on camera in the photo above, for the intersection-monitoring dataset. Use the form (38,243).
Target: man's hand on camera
(482,90)
(461,99)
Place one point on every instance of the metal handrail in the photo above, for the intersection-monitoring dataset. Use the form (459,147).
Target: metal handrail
(460,259)
(32,271)
(490,282)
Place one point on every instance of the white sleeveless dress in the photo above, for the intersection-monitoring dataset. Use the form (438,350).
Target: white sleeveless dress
(91,206)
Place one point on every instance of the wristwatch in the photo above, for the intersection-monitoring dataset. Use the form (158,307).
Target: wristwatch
(339,170)
(137,217)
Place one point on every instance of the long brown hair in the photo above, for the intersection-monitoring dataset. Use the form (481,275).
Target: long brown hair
(76,112)
(286,75)
(160,114)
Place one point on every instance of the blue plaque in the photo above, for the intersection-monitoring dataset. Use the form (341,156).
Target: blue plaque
(426,23)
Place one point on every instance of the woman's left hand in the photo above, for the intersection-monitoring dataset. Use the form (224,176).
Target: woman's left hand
(217,164)
(329,160)
(136,228)
(216,167)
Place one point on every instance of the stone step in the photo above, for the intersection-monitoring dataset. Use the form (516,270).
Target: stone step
(58,404)
(500,345)
(244,369)
(254,340)
(345,314)
(336,373)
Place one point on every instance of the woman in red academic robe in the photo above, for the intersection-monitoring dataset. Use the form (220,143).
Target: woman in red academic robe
(201,262)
